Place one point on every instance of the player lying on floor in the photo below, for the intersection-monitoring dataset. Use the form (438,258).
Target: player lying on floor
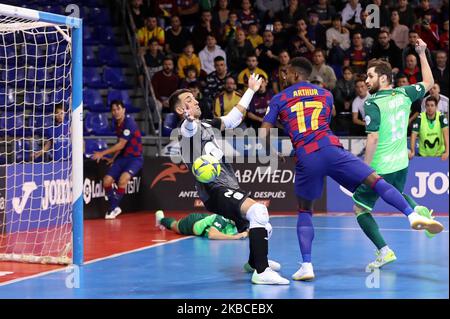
(212,226)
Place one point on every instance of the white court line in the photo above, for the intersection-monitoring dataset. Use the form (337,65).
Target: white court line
(355,228)
(396,215)
(93,261)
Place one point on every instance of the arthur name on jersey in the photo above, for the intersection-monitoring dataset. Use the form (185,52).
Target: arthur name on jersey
(305,92)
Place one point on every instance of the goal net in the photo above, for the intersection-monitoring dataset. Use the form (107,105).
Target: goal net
(36,137)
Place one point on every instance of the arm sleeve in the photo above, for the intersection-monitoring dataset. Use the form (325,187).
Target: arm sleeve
(372,117)
(272,112)
(443,120)
(416,125)
(415,92)
(128,131)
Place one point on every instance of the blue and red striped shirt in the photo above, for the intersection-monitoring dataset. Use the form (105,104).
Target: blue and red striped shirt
(129,130)
(304,110)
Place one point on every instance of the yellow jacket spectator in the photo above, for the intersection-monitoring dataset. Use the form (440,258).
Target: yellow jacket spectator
(150,31)
(431,127)
(253,36)
(228,99)
(252,67)
(188,57)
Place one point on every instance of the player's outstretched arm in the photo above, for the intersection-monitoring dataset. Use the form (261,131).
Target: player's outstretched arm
(444,156)
(234,118)
(97,156)
(215,234)
(427,75)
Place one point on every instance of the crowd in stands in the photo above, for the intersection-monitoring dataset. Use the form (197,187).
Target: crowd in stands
(212,46)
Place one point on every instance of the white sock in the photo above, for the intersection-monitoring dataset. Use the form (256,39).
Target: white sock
(413,216)
(384,250)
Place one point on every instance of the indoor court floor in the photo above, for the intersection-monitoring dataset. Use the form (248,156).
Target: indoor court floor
(130,258)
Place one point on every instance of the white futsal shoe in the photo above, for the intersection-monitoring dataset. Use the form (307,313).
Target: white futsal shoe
(305,273)
(114,213)
(159,214)
(268,277)
(272,264)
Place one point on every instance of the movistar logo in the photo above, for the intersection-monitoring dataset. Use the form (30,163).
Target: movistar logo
(428,144)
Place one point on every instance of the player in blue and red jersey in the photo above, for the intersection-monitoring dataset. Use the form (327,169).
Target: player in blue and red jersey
(304,109)
(127,159)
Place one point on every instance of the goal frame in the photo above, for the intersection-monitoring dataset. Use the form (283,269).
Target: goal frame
(77,113)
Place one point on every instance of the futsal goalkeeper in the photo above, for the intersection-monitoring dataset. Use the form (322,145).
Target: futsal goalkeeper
(211,226)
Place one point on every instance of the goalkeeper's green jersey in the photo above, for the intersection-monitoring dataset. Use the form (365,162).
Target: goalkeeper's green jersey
(387,112)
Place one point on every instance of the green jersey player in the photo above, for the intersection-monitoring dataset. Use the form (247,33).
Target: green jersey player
(387,112)
(211,226)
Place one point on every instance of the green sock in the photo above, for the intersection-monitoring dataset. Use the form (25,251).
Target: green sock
(410,201)
(370,228)
(167,222)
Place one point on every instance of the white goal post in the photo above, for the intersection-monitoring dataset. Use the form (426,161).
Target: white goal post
(41,137)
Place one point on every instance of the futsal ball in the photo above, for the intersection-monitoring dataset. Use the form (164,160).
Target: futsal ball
(206,168)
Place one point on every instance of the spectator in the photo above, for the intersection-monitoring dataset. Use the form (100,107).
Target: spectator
(326,12)
(411,49)
(443,38)
(357,55)
(344,93)
(402,80)
(323,70)
(431,128)
(246,15)
(424,8)
(399,32)
(221,15)
(227,99)
(316,31)
(188,57)
(440,72)
(258,106)
(154,58)
(280,35)
(386,49)
(165,9)
(412,71)
(358,113)
(205,107)
(351,14)
(252,67)
(176,37)
(253,36)
(300,45)
(56,146)
(188,11)
(338,41)
(150,31)
(138,13)
(209,53)
(267,9)
(406,13)
(292,13)
(267,53)
(164,83)
(428,32)
(201,31)
(215,81)
(229,31)
(278,76)
(238,51)
(191,76)
(441,100)
(443,13)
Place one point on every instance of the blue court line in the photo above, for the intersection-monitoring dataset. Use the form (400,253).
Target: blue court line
(201,268)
